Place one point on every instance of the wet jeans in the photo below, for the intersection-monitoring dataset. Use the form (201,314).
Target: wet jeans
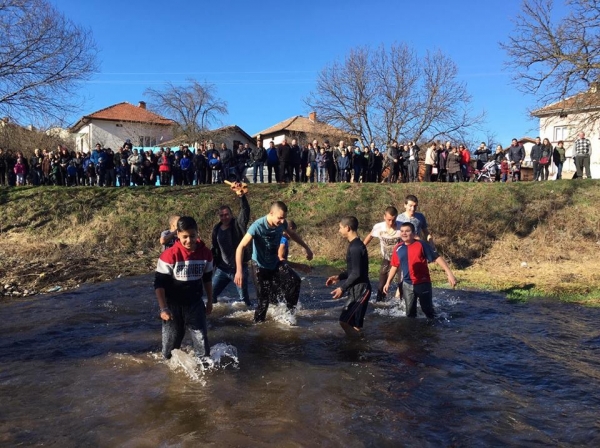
(273,285)
(222,278)
(424,293)
(191,316)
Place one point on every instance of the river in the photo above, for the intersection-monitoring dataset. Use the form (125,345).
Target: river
(83,368)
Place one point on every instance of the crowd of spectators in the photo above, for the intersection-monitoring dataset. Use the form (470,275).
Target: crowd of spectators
(287,162)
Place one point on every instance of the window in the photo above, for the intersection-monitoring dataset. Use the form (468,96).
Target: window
(146,141)
(561,133)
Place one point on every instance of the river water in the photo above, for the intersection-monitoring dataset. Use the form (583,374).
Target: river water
(82,368)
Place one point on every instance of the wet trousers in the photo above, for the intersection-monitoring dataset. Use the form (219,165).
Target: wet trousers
(273,285)
(424,293)
(191,316)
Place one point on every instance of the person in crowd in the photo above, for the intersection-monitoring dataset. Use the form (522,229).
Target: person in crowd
(545,159)
(303,164)
(271,277)
(258,156)
(199,164)
(35,165)
(227,161)
(214,162)
(393,160)
(413,162)
(164,169)
(72,174)
(483,155)
(377,165)
(272,163)
(368,162)
(412,257)
(357,163)
(504,169)
(516,155)
(241,158)
(330,162)
(453,165)
(536,155)
(356,286)
(186,168)
(343,167)
(3,177)
(582,149)
(313,152)
(284,155)
(295,161)
(321,166)
(19,170)
(498,157)
(465,163)
(442,161)
(183,273)
(123,173)
(559,157)
(430,161)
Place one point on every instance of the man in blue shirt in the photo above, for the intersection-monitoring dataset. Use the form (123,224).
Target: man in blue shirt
(270,274)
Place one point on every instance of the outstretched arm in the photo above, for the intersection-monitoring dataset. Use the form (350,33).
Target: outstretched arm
(239,259)
(391,274)
(244,215)
(298,239)
(451,279)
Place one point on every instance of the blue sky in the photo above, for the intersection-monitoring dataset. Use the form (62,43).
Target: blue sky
(264,56)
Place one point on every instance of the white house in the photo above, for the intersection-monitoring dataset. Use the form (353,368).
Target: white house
(565,119)
(112,126)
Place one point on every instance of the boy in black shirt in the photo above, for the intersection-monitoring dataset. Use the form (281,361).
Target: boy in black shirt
(356,285)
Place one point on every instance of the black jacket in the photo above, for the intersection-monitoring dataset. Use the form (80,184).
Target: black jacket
(238,226)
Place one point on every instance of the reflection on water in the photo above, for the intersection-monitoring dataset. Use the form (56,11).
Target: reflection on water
(83,368)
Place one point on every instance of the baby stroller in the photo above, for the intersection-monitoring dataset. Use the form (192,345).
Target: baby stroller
(487,172)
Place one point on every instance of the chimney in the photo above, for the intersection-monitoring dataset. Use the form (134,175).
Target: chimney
(312,117)
(142,104)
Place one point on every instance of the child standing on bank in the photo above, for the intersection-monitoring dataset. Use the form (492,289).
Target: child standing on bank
(169,236)
(183,272)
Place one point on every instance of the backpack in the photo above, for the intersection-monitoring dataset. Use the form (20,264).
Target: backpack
(214,163)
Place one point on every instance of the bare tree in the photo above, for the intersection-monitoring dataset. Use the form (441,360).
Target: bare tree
(194,106)
(555,57)
(393,95)
(43,58)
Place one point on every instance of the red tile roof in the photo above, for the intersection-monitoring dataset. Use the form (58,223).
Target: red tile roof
(304,125)
(582,102)
(124,112)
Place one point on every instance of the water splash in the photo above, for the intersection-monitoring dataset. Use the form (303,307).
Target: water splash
(281,314)
(390,308)
(222,355)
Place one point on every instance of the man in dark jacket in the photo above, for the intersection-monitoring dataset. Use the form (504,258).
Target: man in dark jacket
(226,237)
(258,156)
(227,161)
(284,154)
(536,155)
(393,159)
(296,160)
(516,154)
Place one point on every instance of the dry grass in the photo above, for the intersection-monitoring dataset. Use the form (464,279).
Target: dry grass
(58,236)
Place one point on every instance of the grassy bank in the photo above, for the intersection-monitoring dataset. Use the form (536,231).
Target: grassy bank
(523,238)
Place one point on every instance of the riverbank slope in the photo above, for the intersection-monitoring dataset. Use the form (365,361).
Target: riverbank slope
(524,239)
